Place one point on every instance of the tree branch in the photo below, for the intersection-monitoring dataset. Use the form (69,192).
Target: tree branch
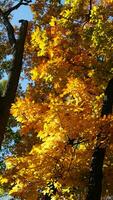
(22,2)
(90,8)
(17,63)
(12,84)
(9,27)
(88,17)
(18,45)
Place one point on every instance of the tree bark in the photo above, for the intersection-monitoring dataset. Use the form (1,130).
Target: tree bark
(10,93)
(96,169)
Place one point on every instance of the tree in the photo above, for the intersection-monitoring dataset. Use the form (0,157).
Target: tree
(62,125)
(96,171)
(17,47)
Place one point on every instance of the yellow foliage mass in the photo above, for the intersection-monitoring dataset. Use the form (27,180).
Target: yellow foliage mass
(59,114)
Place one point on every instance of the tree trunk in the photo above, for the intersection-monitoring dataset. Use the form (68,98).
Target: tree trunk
(10,93)
(96,170)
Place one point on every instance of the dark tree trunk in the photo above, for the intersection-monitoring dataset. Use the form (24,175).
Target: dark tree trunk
(96,174)
(96,170)
(10,93)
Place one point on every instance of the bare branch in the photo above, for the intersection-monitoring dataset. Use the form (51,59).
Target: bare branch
(13,8)
(22,2)
(9,27)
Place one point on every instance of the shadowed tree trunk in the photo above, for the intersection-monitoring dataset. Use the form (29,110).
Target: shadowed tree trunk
(96,170)
(18,48)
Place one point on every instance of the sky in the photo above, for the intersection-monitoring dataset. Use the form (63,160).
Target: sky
(23,12)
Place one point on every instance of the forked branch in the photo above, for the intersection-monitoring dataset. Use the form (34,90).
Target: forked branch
(6,22)
(21,2)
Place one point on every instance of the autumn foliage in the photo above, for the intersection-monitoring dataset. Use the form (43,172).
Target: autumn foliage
(69,57)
